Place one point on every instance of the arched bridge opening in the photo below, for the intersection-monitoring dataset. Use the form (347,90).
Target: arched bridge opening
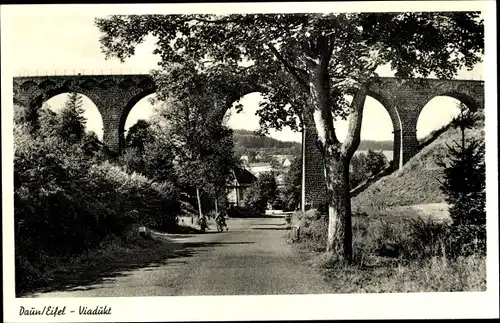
(91,114)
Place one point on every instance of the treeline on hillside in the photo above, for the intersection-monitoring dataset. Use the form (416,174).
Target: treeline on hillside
(376,145)
(249,139)
(246,140)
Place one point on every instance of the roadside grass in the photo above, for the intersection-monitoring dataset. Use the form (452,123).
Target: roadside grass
(111,257)
(434,275)
(395,252)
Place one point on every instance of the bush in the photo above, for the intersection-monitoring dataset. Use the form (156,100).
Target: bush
(242,212)
(313,229)
(67,201)
(375,162)
(278,203)
(153,204)
(406,239)
(261,192)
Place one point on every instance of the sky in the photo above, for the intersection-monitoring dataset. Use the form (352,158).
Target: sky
(46,43)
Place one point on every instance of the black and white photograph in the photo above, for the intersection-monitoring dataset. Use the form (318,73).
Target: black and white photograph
(249,161)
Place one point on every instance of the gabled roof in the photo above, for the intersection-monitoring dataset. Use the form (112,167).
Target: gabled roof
(243,176)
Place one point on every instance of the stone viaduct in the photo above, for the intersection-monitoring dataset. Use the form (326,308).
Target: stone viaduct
(116,95)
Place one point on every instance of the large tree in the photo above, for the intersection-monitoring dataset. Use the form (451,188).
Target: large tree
(203,148)
(304,65)
(71,119)
(139,135)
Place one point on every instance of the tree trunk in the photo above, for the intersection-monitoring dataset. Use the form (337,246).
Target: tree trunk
(200,214)
(339,239)
(336,156)
(216,205)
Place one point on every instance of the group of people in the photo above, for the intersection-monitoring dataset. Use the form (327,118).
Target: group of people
(220,219)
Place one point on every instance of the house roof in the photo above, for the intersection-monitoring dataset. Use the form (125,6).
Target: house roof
(259,165)
(243,176)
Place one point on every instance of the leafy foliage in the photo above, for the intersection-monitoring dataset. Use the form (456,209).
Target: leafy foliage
(68,199)
(293,185)
(261,192)
(412,43)
(138,135)
(202,147)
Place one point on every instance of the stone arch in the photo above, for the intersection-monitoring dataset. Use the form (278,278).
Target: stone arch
(466,99)
(471,93)
(460,96)
(397,126)
(229,100)
(126,111)
(92,113)
(389,107)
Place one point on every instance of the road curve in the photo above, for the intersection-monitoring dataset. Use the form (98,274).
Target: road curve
(252,258)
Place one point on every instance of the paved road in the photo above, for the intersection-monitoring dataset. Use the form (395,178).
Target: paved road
(252,258)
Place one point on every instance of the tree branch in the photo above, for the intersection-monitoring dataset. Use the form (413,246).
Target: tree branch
(354,129)
(292,69)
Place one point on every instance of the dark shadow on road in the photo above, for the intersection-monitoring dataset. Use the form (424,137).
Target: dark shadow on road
(90,276)
(269,224)
(202,244)
(162,253)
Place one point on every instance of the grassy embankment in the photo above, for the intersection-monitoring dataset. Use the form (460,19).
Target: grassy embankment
(402,241)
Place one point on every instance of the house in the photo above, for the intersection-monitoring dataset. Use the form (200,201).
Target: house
(259,168)
(284,160)
(240,181)
(286,163)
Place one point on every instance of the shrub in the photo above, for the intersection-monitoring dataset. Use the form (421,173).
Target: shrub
(261,192)
(67,201)
(291,194)
(313,229)
(242,212)
(408,239)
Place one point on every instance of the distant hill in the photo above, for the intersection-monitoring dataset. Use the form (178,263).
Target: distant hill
(248,143)
(376,145)
(246,140)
